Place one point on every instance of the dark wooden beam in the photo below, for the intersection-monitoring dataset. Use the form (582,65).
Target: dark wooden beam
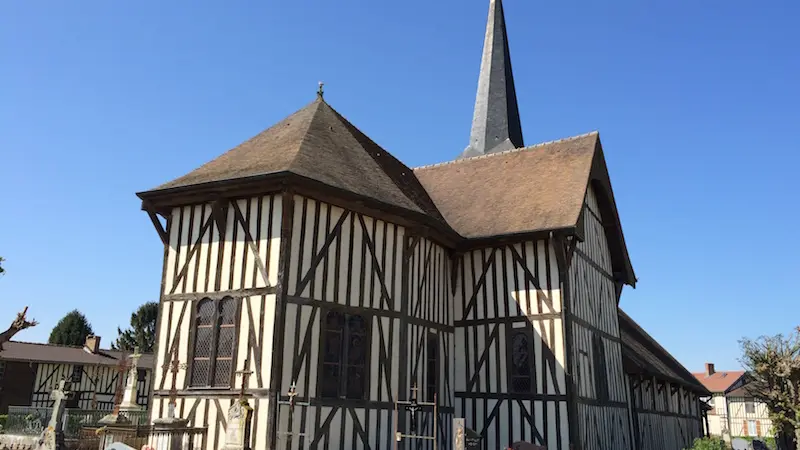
(160,229)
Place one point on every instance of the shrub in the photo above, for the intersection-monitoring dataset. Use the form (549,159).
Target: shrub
(3,420)
(708,443)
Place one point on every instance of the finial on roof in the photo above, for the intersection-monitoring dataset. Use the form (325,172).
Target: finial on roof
(496,124)
(321,91)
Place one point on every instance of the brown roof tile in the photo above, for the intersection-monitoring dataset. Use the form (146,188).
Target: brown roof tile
(643,354)
(316,142)
(719,381)
(537,188)
(35,352)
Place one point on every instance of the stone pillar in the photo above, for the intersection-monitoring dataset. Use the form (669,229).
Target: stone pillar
(131,386)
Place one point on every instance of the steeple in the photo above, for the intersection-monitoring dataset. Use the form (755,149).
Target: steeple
(495,124)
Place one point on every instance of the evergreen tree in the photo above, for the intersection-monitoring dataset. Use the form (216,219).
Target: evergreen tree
(71,330)
(142,332)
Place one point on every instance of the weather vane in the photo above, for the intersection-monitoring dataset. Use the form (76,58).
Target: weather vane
(321,91)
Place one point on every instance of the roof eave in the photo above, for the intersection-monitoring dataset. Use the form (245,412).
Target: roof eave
(162,200)
(599,175)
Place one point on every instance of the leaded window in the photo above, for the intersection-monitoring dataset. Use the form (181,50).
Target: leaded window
(432,372)
(521,357)
(77,375)
(214,342)
(344,364)
(599,366)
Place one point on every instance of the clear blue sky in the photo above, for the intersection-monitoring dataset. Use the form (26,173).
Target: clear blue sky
(696,103)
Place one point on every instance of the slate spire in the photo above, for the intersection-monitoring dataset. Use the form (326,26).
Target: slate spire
(495,124)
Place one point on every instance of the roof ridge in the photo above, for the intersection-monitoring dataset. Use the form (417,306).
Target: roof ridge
(490,155)
(76,347)
(316,104)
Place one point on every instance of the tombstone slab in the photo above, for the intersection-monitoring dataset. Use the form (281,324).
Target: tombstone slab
(522,445)
(741,444)
(237,433)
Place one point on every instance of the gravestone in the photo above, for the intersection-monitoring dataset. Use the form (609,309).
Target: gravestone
(759,445)
(522,445)
(52,437)
(132,384)
(741,444)
(237,433)
(472,440)
(458,434)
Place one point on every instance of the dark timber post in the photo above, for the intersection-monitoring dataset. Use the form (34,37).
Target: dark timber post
(287,219)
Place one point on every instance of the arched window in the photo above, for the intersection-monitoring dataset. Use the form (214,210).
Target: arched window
(521,373)
(214,343)
(344,364)
(432,370)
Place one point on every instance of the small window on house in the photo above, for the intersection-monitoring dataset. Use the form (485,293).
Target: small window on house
(751,428)
(77,374)
(214,342)
(432,375)
(599,365)
(344,364)
(521,370)
(749,408)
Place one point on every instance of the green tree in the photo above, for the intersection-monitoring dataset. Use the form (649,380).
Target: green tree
(2,260)
(71,330)
(773,369)
(142,332)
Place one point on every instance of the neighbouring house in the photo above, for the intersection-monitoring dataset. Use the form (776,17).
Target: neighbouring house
(340,281)
(30,371)
(733,410)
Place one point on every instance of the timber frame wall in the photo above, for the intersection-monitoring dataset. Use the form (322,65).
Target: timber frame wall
(601,394)
(96,385)
(288,259)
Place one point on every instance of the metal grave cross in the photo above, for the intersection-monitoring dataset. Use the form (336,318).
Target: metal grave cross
(413,407)
(292,393)
(245,374)
(174,367)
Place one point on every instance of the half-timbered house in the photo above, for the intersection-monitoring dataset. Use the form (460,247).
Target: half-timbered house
(29,372)
(340,281)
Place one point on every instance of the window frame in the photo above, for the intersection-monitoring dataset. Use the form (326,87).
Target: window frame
(217,300)
(76,376)
(432,336)
(341,393)
(601,379)
(527,329)
(754,432)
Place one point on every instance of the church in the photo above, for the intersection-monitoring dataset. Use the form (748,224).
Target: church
(358,303)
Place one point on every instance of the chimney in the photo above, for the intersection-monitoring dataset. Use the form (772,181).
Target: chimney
(92,343)
(709,369)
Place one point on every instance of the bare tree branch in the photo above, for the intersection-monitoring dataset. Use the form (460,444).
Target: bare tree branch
(19,324)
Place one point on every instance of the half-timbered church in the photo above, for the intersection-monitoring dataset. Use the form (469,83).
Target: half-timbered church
(313,273)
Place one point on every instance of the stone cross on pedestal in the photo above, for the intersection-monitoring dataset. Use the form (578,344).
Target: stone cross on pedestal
(131,386)
(52,437)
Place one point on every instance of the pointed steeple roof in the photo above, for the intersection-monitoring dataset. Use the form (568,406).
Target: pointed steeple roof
(495,125)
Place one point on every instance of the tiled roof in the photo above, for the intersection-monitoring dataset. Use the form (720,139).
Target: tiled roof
(317,143)
(719,381)
(642,354)
(47,353)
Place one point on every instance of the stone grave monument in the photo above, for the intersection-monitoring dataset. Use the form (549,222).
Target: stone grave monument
(52,437)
